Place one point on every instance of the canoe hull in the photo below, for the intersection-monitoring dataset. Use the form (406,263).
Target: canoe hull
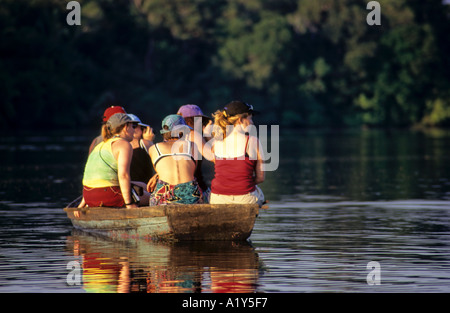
(207,222)
(168,222)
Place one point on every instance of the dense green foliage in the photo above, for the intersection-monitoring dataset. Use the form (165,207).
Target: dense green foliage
(303,63)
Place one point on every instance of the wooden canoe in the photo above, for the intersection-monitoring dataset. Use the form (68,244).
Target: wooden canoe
(169,222)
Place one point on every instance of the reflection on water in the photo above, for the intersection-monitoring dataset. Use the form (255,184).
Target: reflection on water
(140,266)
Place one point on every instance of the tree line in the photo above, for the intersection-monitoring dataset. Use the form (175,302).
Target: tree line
(302,63)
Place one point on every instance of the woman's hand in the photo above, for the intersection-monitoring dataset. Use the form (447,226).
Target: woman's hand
(207,129)
(148,134)
(152,183)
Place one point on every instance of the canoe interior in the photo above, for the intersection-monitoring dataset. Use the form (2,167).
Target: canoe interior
(167,222)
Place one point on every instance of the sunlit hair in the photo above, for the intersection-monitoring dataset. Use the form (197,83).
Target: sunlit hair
(107,133)
(222,120)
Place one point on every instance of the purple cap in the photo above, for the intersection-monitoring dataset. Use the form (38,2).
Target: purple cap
(190,110)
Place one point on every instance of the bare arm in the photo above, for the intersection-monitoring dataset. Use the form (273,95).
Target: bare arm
(204,145)
(123,152)
(148,136)
(152,182)
(260,175)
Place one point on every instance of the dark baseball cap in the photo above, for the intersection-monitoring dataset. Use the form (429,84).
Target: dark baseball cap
(239,107)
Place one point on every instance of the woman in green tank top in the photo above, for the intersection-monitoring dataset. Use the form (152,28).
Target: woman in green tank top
(106,180)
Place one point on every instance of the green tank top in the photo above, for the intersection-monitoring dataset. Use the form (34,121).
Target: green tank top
(101,166)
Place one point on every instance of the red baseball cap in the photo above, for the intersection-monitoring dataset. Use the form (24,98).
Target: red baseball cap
(111,111)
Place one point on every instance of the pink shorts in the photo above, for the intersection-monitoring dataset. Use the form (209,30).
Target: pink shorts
(104,196)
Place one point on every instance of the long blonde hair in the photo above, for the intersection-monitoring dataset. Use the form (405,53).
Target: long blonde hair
(222,120)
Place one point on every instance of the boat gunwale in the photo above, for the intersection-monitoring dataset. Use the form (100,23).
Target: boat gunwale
(117,213)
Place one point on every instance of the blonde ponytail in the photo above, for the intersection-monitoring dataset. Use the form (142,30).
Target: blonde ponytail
(222,120)
(107,133)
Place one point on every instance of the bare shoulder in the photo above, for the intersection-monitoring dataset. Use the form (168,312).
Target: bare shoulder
(121,144)
(152,149)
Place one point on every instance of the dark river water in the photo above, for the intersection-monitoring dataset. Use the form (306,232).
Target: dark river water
(350,211)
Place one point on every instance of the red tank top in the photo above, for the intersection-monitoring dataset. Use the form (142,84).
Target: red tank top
(234,176)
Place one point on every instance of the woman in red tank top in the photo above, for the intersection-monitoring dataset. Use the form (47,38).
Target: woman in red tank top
(237,157)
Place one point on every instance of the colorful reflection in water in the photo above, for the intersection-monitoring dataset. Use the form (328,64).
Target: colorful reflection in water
(140,266)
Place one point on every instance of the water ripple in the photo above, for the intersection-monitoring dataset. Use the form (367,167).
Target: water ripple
(325,247)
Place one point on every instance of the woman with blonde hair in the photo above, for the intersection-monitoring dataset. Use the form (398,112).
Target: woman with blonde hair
(238,156)
(106,180)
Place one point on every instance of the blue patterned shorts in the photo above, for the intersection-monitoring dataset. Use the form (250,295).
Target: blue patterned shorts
(185,193)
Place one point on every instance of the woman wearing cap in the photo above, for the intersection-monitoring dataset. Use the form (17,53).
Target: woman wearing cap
(238,157)
(141,169)
(106,180)
(194,117)
(141,166)
(106,115)
(175,165)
